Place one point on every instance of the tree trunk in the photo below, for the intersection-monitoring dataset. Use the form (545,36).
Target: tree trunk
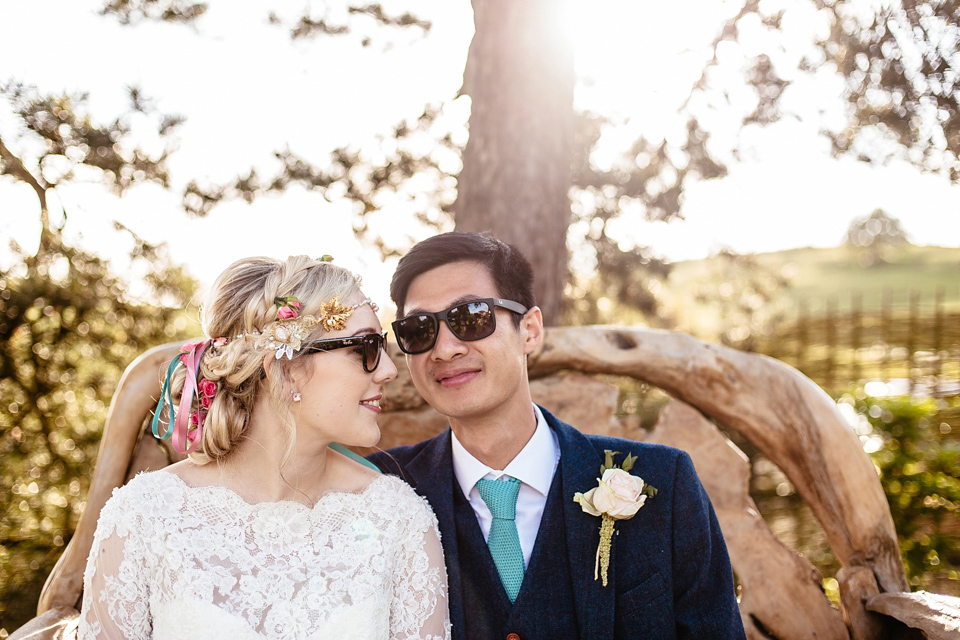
(516,176)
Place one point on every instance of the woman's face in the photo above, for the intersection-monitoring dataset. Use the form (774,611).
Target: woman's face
(339,401)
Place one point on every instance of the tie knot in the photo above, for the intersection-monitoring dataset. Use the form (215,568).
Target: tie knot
(500,496)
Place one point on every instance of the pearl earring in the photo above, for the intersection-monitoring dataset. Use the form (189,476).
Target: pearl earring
(296,396)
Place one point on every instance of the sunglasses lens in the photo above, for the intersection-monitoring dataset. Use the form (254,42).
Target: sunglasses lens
(372,347)
(416,334)
(472,320)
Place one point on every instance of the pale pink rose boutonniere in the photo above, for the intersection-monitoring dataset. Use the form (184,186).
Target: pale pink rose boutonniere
(618,496)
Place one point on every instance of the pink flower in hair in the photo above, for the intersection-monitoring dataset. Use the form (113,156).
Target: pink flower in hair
(295,304)
(208,388)
(286,312)
(196,419)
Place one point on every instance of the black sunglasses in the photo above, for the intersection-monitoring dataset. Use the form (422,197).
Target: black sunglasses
(468,321)
(369,345)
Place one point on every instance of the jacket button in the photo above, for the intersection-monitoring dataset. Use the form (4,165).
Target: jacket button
(512,636)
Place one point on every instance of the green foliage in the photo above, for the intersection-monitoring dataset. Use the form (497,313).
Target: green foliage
(623,289)
(68,327)
(67,331)
(745,294)
(918,456)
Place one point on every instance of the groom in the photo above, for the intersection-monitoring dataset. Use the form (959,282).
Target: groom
(521,553)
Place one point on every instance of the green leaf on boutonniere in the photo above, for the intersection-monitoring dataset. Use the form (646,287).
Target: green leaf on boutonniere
(608,460)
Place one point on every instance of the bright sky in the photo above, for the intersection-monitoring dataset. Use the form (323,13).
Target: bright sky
(247,91)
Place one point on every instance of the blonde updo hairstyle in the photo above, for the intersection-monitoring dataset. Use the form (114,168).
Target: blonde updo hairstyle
(243,301)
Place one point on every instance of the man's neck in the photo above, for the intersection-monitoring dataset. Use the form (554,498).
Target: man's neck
(496,442)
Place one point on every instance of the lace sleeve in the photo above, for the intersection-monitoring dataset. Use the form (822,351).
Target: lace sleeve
(419,609)
(115,592)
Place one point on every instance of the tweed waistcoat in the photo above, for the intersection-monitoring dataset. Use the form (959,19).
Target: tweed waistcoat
(545,606)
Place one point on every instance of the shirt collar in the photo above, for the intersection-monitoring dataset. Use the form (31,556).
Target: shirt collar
(533,466)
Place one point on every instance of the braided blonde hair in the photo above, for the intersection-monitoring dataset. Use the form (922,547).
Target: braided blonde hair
(242,302)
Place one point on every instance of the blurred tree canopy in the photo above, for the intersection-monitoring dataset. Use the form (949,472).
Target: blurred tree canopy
(902,69)
(526,159)
(68,328)
(875,237)
(526,171)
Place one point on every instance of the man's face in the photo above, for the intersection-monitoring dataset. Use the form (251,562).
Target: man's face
(480,379)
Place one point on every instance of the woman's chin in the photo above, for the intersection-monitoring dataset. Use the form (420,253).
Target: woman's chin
(368,439)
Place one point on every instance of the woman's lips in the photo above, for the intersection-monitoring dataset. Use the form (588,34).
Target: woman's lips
(372,403)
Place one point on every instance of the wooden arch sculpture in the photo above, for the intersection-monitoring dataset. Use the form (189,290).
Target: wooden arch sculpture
(785,415)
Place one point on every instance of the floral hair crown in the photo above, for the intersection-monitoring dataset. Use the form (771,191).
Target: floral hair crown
(284,336)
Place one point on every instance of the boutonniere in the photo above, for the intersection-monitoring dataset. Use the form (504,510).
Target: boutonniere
(618,496)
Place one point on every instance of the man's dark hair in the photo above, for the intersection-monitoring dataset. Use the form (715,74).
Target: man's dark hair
(511,272)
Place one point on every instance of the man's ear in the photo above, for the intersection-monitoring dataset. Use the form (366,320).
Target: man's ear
(531,326)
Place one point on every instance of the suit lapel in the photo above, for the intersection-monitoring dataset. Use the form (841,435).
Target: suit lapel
(432,474)
(580,463)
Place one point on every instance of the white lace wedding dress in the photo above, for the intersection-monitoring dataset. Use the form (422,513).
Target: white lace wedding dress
(172,561)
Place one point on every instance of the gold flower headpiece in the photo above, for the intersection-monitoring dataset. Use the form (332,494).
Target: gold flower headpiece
(286,334)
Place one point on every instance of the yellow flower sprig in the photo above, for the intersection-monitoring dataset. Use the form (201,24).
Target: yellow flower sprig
(617,496)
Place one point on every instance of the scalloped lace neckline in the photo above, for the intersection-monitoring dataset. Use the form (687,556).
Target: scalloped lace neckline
(268,504)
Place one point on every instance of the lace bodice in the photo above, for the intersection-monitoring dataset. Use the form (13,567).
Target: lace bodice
(173,561)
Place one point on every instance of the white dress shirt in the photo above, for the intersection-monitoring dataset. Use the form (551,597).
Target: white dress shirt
(534,467)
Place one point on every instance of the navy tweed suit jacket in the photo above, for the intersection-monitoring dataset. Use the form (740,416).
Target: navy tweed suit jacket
(670,575)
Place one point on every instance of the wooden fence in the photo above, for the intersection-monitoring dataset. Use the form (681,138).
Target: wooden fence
(910,342)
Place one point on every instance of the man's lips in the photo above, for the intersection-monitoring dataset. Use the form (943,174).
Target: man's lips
(456,377)
(372,403)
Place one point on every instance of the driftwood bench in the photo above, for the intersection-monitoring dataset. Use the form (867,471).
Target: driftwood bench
(780,411)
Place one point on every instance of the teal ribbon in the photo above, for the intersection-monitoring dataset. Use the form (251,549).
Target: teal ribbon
(339,448)
(165,396)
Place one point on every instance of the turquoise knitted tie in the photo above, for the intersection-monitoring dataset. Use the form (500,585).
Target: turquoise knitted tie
(504,541)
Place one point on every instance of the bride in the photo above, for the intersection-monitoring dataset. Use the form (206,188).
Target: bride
(270,529)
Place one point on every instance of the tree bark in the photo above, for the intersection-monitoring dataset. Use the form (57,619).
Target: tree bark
(857,585)
(11,164)
(515,180)
(937,616)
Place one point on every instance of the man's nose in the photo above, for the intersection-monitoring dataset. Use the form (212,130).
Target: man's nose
(448,345)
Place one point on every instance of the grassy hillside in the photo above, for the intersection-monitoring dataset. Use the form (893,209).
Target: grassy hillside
(703,294)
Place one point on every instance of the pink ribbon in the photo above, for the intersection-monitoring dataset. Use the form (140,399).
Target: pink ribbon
(181,426)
